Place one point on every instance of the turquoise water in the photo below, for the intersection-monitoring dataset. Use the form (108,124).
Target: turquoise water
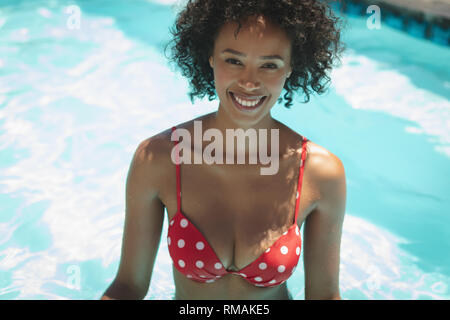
(75,103)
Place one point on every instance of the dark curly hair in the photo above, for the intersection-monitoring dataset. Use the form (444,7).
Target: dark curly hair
(310,24)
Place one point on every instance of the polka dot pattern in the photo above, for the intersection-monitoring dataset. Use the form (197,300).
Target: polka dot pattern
(184,223)
(199,245)
(196,259)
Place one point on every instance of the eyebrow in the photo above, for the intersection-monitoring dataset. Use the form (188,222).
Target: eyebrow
(262,57)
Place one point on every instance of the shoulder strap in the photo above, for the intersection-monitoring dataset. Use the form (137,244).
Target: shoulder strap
(177,163)
(300,177)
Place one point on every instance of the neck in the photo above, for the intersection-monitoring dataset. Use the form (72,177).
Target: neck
(221,120)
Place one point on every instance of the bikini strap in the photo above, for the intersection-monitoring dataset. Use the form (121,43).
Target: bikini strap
(300,177)
(177,163)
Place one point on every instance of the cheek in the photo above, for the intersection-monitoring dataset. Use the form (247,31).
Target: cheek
(223,82)
(275,84)
(222,76)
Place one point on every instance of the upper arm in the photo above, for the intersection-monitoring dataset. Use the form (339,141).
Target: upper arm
(323,229)
(144,216)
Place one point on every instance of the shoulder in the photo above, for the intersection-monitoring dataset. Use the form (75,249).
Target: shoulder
(323,163)
(327,171)
(153,149)
(151,160)
(320,162)
(157,149)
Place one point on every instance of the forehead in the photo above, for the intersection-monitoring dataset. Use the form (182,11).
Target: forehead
(254,30)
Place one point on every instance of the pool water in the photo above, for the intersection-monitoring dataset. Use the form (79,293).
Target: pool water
(76,102)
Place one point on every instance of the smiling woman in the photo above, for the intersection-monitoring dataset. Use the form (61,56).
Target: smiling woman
(261,44)
(235,233)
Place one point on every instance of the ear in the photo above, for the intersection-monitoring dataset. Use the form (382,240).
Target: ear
(211,61)
(289,73)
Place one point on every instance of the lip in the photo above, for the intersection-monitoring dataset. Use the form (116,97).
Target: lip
(247,109)
(247,96)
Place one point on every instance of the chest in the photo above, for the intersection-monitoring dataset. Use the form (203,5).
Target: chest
(239,211)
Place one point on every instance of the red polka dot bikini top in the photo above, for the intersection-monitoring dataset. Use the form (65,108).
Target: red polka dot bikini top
(193,256)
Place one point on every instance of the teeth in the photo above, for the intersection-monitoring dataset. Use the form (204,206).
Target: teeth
(247,103)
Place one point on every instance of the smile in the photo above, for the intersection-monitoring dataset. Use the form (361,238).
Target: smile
(247,105)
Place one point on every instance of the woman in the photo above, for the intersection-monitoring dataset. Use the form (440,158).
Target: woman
(234,232)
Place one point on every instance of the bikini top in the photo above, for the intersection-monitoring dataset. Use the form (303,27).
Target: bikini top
(193,256)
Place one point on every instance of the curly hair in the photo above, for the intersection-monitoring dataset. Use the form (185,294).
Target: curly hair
(310,25)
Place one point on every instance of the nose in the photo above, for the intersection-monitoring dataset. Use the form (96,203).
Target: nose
(249,81)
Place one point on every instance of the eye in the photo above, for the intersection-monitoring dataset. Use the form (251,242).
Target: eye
(273,65)
(270,65)
(229,60)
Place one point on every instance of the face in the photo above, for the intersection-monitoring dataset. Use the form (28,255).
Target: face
(253,64)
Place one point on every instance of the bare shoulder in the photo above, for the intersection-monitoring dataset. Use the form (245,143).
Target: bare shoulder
(325,168)
(151,159)
(153,149)
(157,149)
(323,162)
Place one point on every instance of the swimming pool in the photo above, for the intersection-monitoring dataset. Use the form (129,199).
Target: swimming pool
(75,103)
